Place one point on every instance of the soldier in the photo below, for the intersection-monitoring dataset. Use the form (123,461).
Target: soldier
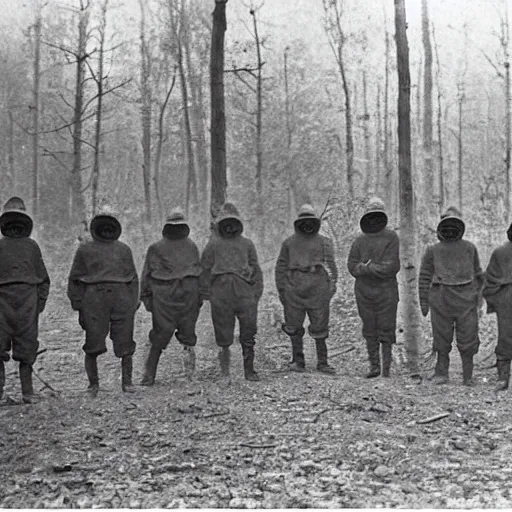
(498,294)
(103,288)
(374,261)
(450,285)
(233,282)
(24,288)
(306,276)
(170,292)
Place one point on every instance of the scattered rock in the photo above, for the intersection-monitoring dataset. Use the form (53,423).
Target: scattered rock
(382,471)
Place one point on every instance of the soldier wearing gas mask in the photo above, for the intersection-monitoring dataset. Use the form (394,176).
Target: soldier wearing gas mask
(450,285)
(24,288)
(103,287)
(306,276)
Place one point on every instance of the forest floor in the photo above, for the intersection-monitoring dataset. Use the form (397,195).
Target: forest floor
(291,440)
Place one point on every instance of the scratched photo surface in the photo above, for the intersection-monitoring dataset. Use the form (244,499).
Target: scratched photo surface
(255,254)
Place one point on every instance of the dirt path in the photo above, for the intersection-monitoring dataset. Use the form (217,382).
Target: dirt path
(290,441)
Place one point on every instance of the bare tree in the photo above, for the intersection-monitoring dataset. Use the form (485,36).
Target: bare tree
(179,29)
(337,38)
(218,119)
(291,195)
(407,214)
(99,79)
(146,109)
(428,128)
(36,109)
(439,125)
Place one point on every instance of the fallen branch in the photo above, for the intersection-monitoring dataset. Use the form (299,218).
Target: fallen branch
(215,414)
(46,385)
(258,446)
(346,351)
(431,419)
(318,414)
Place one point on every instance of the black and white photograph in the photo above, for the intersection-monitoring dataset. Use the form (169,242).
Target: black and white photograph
(255,254)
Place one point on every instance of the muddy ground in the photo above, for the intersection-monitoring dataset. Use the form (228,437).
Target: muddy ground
(291,440)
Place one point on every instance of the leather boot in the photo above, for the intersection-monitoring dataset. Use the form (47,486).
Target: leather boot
(387,351)
(372,346)
(224,360)
(27,390)
(126,374)
(248,354)
(298,364)
(441,371)
(2,379)
(467,371)
(503,374)
(151,365)
(321,354)
(189,361)
(91,369)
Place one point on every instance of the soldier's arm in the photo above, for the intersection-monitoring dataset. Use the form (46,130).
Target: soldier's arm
(354,264)
(207,262)
(43,288)
(389,266)
(257,274)
(133,285)
(145,284)
(281,268)
(425,279)
(76,288)
(330,261)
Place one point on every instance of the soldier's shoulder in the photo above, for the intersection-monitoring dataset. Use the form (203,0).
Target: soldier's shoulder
(122,246)
(390,233)
(503,249)
(469,244)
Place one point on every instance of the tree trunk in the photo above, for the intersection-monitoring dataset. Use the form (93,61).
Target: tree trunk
(259,129)
(508,140)
(349,139)
(428,128)
(378,145)
(99,108)
(77,200)
(369,185)
(218,120)
(411,317)
(10,153)
(35,112)
(460,175)
(196,115)
(388,167)
(159,146)
(439,127)
(291,196)
(146,111)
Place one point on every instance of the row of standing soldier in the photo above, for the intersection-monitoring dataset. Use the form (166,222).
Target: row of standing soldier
(103,287)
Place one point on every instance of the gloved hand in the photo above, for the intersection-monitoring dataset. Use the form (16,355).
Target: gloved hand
(424,309)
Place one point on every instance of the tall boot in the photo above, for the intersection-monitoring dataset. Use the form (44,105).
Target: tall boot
(27,390)
(442,366)
(503,374)
(2,379)
(387,351)
(467,370)
(298,363)
(224,360)
(150,367)
(248,354)
(91,369)
(372,346)
(189,361)
(321,354)
(126,374)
